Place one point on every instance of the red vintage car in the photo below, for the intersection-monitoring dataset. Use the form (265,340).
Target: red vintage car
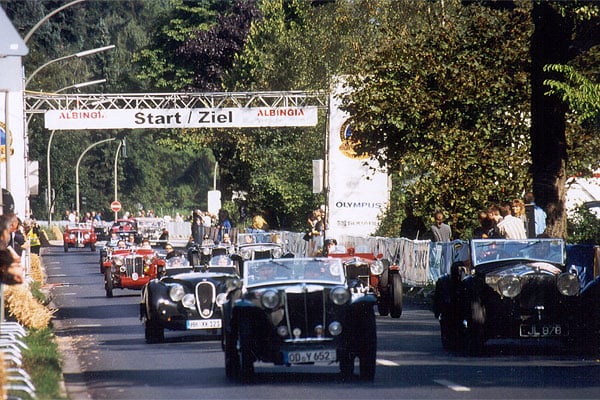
(130,268)
(79,236)
(377,275)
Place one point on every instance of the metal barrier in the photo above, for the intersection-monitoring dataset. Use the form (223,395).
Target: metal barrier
(11,344)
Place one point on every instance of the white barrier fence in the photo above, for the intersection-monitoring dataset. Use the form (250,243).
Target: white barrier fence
(421,262)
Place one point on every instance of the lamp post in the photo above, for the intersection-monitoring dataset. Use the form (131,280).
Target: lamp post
(116,181)
(84,53)
(49,183)
(77,170)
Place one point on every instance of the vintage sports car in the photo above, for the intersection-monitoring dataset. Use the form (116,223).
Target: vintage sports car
(298,311)
(152,229)
(130,268)
(376,274)
(201,254)
(259,245)
(79,236)
(126,227)
(185,299)
(518,289)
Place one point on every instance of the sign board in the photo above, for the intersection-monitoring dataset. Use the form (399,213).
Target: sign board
(358,188)
(181,118)
(115,206)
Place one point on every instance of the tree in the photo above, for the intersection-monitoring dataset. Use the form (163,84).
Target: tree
(443,103)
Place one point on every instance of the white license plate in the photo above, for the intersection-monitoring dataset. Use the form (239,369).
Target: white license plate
(203,324)
(310,356)
(541,330)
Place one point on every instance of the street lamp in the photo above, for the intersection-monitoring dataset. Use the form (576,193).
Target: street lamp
(49,186)
(77,169)
(78,55)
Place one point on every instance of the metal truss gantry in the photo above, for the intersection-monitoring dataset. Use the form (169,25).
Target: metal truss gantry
(38,102)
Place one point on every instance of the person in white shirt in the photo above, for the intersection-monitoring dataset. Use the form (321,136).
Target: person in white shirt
(510,227)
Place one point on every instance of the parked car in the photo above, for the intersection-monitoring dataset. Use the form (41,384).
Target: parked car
(184,299)
(130,268)
(518,289)
(259,245)
(79,236)
(376,274)
(298,311)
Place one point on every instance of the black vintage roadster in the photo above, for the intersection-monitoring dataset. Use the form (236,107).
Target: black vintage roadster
(291,311)
(518,289)
(186,298)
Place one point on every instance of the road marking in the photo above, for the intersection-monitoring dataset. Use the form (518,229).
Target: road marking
(86,326)
(452,385)
(387,363)
(56,275)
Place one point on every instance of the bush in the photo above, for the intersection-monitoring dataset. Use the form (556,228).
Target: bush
(584,227)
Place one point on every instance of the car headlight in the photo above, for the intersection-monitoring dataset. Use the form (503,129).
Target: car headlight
(72,236)
(221,299)
(270,299)
(148,260)
(277,252)
(509,286)
(176,292)
(377,267)
(246,254)
(339,296)
(567,284)
(86,236)
(119,260)
(335,328)
(188,301)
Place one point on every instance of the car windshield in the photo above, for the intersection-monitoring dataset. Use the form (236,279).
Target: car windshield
(178,262)
(293,270)
(257,237)
(485,251)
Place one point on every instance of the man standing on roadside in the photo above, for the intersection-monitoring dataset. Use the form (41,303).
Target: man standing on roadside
(440,231)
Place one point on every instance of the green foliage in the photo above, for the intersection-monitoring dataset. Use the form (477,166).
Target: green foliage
(583,227)
(446,110)
(582,95)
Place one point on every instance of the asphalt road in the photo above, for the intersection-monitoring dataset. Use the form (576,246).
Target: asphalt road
(105,356)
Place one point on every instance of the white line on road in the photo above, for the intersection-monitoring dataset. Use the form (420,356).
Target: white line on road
(56,275)
(387,363)
(452,385)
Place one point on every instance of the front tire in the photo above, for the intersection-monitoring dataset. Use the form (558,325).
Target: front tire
(368,350)
(396,296)
(232,357)
(93,247)
(108,283)
(153,332)
(66,247)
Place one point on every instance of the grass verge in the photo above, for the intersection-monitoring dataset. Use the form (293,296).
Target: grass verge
(42,362)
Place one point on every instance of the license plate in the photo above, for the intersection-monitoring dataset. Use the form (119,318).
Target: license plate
(310,356)
(541,330)
(203,324)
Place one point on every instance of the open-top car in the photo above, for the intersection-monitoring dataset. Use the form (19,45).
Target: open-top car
(153,229)
(376,274)
(298,311)
(185,299)
(200,255)
(125,227)
(130,268)
(519,289)
(259,245)
(79,236)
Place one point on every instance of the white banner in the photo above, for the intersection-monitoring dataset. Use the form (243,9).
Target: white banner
(358,195)
(181,118)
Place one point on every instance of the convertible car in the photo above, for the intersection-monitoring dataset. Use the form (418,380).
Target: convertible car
(519,289)
(259,245)
(298,311)
(130,268)
(79,236)
(185,299)
(376,274)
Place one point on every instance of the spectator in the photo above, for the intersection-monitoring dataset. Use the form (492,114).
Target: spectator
(538,213)
(510,227)
(259,224)
(328,246)
(17,239)
(32,230)
(197,227)
(441,232)
(224,224)
(412,225)
(518,210)
(486,227)
(11,271)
